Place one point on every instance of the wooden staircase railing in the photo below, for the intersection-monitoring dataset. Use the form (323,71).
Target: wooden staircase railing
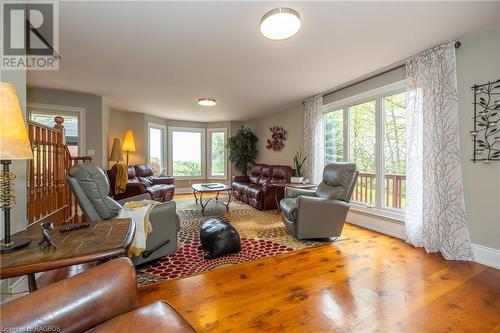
(48,191)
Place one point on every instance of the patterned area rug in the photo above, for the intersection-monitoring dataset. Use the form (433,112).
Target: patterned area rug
(262,235)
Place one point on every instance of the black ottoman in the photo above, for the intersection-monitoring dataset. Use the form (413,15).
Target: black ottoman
(219,238)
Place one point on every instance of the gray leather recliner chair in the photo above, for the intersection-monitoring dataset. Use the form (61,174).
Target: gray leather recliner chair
(310,214)
(91,188)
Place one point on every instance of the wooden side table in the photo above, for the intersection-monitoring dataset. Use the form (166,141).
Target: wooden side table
(100,241)
(293,185)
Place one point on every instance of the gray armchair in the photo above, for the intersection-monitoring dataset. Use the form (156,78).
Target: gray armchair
(310,214)
(91,188)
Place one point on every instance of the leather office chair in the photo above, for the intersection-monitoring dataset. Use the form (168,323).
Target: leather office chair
(102,299)
(91,188)
(310,214)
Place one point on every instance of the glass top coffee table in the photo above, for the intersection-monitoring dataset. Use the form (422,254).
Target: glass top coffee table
(199,189)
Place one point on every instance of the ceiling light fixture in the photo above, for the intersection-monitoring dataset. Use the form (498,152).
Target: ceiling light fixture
(280,23)
(207,101)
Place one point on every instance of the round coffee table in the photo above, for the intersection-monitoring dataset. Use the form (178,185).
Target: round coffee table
(211,188)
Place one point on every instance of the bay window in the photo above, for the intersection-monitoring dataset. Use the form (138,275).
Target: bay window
(156,147)
(187,152)
(370,130)
(217,166)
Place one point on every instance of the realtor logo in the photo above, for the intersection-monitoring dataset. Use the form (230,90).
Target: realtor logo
(30,35)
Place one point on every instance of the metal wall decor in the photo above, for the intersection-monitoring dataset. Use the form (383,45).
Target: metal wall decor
(486,132)
(278,138)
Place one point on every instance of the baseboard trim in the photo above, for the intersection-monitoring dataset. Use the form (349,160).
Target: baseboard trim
(486,255)
(380,224)
(183,190)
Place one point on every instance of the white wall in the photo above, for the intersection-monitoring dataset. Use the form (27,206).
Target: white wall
(93,114)
(292,121)
(478,61)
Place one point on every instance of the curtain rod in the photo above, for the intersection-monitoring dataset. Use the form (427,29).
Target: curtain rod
(372,75)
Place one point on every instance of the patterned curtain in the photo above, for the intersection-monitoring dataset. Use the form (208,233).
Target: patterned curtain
(314,138)
(435,212)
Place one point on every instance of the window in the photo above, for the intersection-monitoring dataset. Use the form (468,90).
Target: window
(187,152)
(370,130)
(334,136)
(156,147)
(393,107)
(362,150)
(217,153)
(73,124)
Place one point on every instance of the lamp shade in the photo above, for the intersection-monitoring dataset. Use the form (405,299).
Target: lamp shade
(128,141)
(14,140)
(116,151)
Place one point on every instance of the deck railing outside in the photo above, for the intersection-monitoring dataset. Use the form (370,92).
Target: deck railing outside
(394,190)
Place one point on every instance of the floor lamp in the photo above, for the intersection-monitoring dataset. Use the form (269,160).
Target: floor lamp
(14,145)
(128,142)
(116,151)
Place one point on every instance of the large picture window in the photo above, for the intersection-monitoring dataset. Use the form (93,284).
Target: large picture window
(393,107)
(217,165)
(334,136)
(362,149)
(370,130)
(187,152)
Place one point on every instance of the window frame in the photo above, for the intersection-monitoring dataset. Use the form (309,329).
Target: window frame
(343,105)
(62,110)
(210,131)
(203,156)
(163,128)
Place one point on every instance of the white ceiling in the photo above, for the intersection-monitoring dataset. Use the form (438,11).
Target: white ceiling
(160,57)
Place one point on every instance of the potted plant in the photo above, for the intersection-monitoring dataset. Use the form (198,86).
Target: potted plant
(298,161)
(243,149)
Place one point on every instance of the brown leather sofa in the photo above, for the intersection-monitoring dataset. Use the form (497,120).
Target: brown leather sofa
(103,299)
(257,189)
(141,180)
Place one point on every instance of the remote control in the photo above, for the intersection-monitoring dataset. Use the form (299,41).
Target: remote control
(74,227)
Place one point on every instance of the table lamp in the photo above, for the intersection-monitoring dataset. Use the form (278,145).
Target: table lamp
(116,151)
(14,145)
(128,142)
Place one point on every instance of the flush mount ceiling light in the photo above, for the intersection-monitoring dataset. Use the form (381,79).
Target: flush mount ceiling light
(207,101)
(280,23)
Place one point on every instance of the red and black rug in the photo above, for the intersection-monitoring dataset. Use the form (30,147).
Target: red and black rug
(262,235)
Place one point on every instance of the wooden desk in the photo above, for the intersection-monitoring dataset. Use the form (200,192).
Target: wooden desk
(101,241)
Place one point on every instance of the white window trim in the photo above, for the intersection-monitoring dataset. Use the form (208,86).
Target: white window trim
(209,153)
(61,110)
(163,146)
(343,105)
(203,152)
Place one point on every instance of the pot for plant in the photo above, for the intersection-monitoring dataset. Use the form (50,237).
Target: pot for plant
(296,180)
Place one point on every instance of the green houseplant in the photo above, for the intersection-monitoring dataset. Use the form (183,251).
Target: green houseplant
(298,162)
(243,149)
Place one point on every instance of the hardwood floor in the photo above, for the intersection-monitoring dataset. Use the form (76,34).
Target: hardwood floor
(369,283)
